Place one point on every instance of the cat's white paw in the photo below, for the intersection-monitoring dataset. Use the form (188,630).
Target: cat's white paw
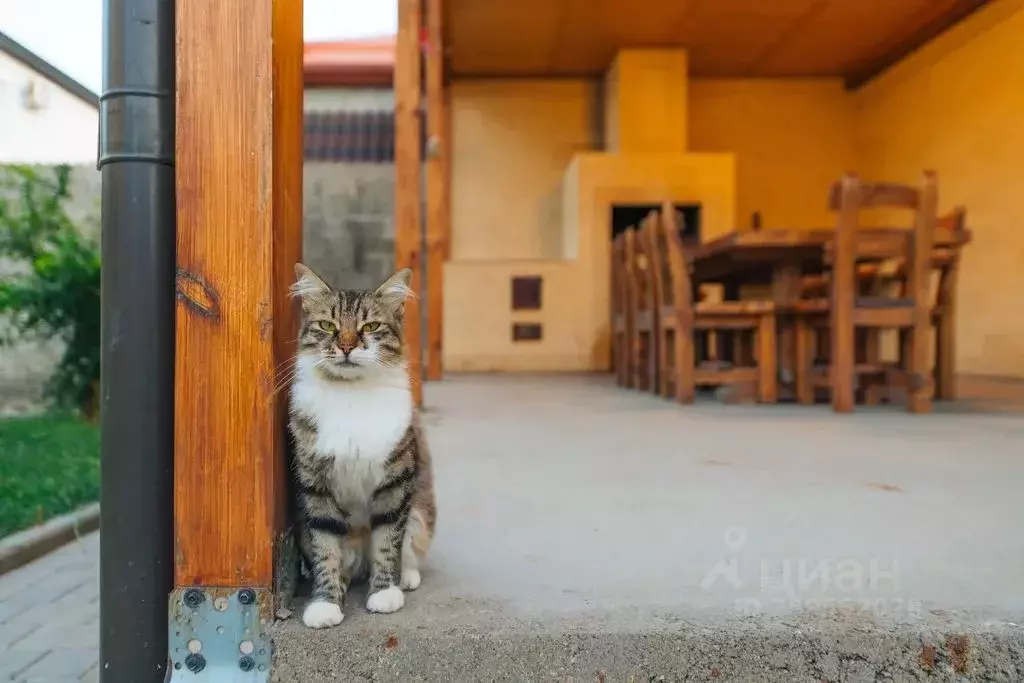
(386,601)
(322,614)
(410,579)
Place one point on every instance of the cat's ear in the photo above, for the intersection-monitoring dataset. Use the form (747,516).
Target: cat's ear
(396,289)
(307,282)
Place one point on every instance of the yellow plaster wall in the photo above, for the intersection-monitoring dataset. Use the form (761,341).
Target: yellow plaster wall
(957,106)
(478,318)
(511,143)
(791,138)
(646,102)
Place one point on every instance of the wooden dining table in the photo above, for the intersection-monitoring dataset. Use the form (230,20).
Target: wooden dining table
(779,257)
(777,249)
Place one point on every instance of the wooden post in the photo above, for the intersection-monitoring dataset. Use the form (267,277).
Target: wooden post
(239,202)
(438,186)
(408,175)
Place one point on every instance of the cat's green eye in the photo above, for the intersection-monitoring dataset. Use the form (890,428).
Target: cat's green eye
(327,326)
(370,327)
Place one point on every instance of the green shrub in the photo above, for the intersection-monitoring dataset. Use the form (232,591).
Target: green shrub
(56,292)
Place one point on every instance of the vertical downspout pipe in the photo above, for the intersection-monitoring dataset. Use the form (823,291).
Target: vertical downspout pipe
(136,160)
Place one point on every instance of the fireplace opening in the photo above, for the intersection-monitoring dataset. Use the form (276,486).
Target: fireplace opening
(625,215)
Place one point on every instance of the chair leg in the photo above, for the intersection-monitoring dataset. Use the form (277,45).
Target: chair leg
(616,363)
(640,361)
(686,390)
(919,395)
(631,360)
(873,354)
(618,358)
(655,363)
(644,350)
(647,368)
(767,373)
(740,352)
(663,356)
(945,358)
(804,343)
(627,360)
(842,368)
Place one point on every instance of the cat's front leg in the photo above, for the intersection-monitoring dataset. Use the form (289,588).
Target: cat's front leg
(388,525)
(331,573)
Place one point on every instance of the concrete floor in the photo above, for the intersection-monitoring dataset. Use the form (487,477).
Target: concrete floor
(572,508)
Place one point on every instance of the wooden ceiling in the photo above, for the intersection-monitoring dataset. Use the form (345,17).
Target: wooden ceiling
(855,39)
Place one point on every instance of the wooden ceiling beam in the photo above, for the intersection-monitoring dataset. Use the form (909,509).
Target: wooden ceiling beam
(924,34)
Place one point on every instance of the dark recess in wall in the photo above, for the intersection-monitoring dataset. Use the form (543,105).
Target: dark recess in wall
(625,215)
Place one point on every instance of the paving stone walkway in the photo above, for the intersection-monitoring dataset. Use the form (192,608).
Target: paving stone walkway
(49,617)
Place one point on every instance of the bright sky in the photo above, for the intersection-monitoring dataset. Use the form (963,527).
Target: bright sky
(69,33)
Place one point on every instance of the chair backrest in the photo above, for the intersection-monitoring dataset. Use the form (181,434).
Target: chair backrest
(677,289)
(619,278)
(657,248)
(849,197)
(947,258)
(950,227)
(648,263)
(629,272)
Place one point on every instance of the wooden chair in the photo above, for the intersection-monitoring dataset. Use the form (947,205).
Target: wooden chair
(848,307)
(680,320)
(622,312)
(874,278)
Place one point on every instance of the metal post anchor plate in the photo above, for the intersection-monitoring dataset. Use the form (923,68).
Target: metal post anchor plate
(219,635)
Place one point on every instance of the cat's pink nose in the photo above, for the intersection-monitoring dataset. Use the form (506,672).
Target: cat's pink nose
(347,341)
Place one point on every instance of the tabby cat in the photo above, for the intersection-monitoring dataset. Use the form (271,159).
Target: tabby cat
(362,472)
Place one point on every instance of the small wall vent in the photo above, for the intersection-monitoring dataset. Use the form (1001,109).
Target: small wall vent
(527,293)
(527,332)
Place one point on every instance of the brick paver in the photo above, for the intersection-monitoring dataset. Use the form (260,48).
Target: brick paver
(49,617)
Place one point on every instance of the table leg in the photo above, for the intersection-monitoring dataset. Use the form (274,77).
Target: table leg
(786,287)
(738,354)
(767,383)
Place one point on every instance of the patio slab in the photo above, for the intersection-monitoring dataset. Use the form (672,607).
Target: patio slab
(587,531)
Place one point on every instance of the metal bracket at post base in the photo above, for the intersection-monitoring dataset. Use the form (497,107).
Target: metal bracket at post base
(219,635)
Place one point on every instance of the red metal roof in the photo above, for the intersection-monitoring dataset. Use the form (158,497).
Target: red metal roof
(361,62)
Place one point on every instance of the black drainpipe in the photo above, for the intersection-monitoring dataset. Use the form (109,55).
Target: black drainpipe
(136,158)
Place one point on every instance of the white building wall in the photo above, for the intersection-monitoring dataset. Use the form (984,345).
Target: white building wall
(64,129)
(349,99)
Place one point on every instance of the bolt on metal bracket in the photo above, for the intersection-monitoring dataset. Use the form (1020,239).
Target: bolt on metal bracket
(219,635)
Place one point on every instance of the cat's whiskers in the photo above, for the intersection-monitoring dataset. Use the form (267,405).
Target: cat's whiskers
(287,375)
(284,375)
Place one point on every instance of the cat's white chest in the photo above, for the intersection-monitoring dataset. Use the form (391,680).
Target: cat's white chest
(362,423)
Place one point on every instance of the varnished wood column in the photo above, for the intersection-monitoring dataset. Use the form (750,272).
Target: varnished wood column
(408,175)
(438,185)
(239,203)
